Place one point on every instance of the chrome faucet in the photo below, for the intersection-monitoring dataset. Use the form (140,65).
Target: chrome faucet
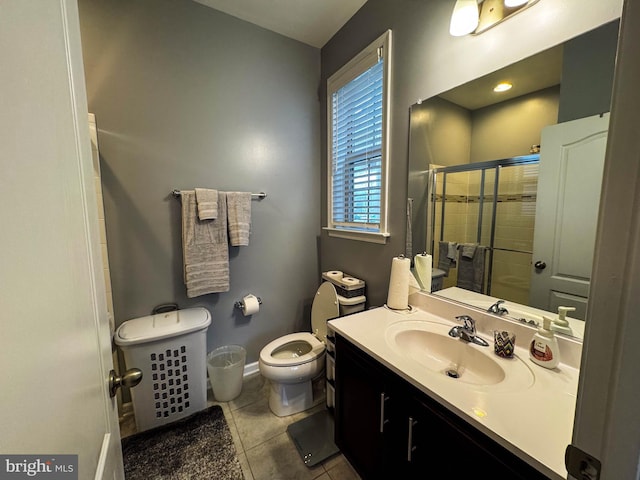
(467,331)
(497,309)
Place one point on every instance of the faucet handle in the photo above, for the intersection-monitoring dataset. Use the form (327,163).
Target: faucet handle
(468,323)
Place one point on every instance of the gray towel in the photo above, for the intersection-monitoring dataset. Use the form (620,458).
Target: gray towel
(207,200)
(205,248)
(471,271)
(239,216)
(444,262)
(452,251)
(468,249)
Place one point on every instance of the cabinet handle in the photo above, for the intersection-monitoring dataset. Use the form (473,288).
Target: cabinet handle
(383,399)
(410,447)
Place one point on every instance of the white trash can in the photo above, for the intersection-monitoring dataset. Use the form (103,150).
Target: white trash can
(170,349)
(226,369)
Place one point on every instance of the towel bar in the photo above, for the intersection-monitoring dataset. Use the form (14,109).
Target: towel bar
(176,193)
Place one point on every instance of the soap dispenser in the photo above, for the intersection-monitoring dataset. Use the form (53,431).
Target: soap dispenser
(561,325)
(544,348)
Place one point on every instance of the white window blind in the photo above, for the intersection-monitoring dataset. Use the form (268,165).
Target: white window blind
(357,151)
(357,130)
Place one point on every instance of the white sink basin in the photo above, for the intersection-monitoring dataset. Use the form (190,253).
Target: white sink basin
(429,344)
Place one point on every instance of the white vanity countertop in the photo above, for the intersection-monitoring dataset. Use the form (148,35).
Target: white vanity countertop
(535,423)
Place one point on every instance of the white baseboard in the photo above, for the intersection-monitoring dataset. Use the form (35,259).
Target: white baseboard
(251,369)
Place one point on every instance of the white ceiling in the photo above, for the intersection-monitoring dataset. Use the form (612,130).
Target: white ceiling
(312,22)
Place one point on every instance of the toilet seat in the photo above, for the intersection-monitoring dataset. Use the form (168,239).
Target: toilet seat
(325,307)
(316,349)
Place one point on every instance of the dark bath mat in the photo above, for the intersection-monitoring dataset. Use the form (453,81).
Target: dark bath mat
(196,447)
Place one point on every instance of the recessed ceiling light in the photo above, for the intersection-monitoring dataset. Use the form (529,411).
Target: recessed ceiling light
(502,87)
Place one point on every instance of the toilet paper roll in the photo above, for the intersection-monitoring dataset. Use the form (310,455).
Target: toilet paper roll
(398,296)
(349,281)
(335,275)
(251,305)
(424,264)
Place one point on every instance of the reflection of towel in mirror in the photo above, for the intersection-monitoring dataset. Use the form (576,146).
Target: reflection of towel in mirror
(205,248)
(468,249)
(471,270)
(452,252)
(444,261)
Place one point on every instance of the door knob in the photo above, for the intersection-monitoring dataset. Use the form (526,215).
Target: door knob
(540,265)
(131,378)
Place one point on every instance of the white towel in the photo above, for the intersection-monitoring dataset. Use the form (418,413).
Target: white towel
(207,200)
(239,217)
(205,248)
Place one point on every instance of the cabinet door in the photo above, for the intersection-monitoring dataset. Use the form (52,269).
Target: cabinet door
(362,411)
(387,428)
(439,445)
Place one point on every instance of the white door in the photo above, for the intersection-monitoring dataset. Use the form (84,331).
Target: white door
(55,340)
(607,425)
(569,183)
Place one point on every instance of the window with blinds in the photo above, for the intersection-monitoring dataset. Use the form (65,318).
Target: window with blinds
(357,112)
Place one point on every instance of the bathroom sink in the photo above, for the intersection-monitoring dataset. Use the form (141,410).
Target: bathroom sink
(429,344)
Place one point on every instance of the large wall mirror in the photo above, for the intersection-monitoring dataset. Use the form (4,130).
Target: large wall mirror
(517,174)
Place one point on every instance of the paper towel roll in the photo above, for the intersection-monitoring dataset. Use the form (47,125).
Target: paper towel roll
(414,286)
(250,306)
(398,296)
(424,264)
(335,275)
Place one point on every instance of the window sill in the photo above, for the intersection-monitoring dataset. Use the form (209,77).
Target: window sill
(371,237)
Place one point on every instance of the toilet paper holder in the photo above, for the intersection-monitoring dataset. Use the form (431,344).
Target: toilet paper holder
(240,304)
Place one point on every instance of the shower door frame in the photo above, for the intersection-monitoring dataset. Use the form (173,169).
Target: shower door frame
(495,165)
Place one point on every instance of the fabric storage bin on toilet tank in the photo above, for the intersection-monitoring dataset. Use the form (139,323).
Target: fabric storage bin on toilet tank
(170,349)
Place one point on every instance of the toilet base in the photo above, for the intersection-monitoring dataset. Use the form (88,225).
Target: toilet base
(289,399)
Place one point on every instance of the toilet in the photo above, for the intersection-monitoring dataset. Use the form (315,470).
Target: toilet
(293,361)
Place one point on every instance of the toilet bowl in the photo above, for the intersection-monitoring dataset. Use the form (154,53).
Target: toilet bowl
(293,361)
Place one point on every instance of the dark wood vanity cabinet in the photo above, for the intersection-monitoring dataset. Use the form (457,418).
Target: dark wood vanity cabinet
(387,428)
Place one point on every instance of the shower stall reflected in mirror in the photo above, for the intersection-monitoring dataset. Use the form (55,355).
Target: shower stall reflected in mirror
(492,204)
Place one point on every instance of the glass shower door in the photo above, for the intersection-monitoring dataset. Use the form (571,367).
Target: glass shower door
(513,239)
(491,204)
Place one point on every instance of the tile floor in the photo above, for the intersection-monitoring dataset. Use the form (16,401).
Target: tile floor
(264,448)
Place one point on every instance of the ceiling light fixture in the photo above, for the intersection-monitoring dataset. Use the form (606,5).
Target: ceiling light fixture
(514,3)
(465,17)
(502,87)
(477,16)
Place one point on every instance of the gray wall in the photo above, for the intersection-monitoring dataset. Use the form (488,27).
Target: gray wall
(509,129)
(426,62)
(187,96)
(587,73)
(441,131)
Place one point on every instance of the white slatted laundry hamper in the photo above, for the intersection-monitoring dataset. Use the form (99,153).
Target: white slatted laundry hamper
(170,349)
